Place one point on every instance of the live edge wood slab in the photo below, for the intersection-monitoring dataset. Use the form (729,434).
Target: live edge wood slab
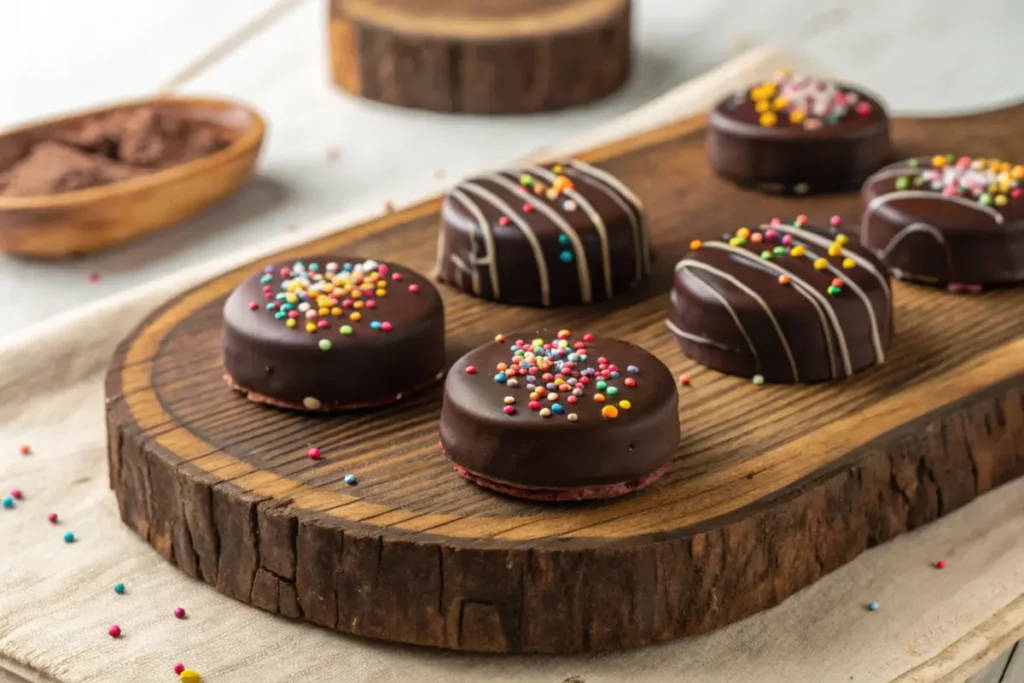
(773,486)
(480,56)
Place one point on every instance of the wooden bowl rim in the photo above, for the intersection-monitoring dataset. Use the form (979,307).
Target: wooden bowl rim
(252,137)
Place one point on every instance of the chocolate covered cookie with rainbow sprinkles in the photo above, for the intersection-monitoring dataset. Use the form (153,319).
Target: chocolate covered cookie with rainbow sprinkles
(555,416)
(333,333)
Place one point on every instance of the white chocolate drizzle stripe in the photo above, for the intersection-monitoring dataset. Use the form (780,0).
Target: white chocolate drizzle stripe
(818,302)
(617,185)
(909,229)
(880,200)
(824,243)
(538,252)
(690,263)
(582,269)
(485,230)
(695,338)
(642,253)
(595,218)
(876,335)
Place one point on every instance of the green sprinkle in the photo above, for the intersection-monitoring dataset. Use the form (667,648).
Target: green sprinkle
(346,329)
(985,199)
(766,255)
(913,163)
(612,391)
(902,182)
(758,379)
(833,290)
(950,158)
(280,314)
(526,179)
(325,344)
(779,250)
(601,386)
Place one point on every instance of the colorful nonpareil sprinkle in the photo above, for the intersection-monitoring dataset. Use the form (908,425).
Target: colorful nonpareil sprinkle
(114,631)
(351,479)
(326,299)
(779,245)
(179,612)
(558,372)
(52,517)
(119,588)
(189,676)
(25,450)
(991,182)
(178,668)
(873,606)
(8,502)
(313,453)
(940,565)
(788,99)
(69,536)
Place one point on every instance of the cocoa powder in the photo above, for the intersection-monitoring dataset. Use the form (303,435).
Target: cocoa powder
(110,148)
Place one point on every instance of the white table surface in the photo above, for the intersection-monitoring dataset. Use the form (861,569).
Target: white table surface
(57,56)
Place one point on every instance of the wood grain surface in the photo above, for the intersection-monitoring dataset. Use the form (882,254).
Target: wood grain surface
(480,57)
(772,487)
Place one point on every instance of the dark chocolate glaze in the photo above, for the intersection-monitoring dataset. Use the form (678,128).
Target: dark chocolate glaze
(534,259)
(285,366)
(787,157)
(923,235)
(731,313)
(530,451)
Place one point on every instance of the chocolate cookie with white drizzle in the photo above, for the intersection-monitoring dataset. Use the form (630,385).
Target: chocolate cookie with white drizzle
(782,302)
(945,220)
(551,235)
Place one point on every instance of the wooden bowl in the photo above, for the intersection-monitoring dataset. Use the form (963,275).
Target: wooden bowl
(80,222)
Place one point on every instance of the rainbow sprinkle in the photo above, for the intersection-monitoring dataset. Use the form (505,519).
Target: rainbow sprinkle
(780,248)
(317,298)
(988,181)
(562,378)
(789,99)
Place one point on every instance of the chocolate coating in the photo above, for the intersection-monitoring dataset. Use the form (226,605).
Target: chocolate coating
(543,236)
(287,367)
(960,222)
(527,452)
(731,311)
(816,136)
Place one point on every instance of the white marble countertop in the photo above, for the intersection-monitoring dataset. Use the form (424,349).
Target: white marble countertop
(934,55)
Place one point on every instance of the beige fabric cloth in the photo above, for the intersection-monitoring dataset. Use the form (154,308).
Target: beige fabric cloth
(57,600)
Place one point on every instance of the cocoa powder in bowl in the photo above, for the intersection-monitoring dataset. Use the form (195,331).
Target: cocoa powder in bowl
(109,148)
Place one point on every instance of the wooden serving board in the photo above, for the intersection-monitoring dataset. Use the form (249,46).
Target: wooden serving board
(772,488)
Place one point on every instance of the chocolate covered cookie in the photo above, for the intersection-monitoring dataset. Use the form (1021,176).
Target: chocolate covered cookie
(556,416)
(333,332)
(782,303)
(543,236)
(798,134)
(948,220)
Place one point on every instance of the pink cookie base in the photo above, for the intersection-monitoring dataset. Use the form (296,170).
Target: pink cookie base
(324,407)
(560,495)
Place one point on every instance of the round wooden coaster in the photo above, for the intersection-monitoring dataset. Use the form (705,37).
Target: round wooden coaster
(480,56)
